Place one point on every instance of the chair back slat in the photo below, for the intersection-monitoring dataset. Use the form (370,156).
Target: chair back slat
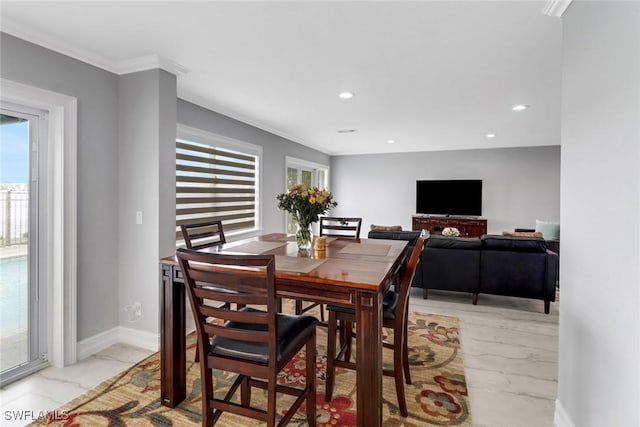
(236,334)
(204,234)
(340,227)
(235,279)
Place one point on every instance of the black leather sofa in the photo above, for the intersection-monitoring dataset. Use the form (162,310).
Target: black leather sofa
(500,265)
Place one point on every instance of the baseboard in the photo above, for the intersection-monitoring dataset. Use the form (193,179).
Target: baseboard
(134,337)
(138,338)
(561,418)
(96,343)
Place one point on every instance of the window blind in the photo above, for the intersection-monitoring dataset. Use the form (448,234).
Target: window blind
(213,183)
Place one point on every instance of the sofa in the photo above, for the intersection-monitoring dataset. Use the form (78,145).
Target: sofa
(500,265)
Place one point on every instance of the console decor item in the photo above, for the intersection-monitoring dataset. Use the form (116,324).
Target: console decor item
(305,204)
(451,232)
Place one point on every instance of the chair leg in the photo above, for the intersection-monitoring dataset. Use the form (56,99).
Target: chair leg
(405,355)
(311,379)
(331,354)
(397,369)
(271,402)
(348,338)
(207,393)
(245,391)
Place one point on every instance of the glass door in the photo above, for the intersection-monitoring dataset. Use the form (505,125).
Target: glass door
(22,304)
(307,174)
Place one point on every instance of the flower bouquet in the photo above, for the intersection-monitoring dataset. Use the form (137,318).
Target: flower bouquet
(305,205)
(451,232)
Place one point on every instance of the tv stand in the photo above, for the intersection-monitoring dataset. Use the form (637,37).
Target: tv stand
(434,224)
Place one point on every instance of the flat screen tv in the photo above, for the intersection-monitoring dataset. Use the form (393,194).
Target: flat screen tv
(449,197)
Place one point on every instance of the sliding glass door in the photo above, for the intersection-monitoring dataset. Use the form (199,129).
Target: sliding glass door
(22,299)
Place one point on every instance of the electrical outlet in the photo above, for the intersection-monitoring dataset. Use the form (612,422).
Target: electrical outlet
(134,311)
(137,309)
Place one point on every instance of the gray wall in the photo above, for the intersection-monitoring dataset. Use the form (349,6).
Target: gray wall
(599,369)
(519,185)
(275,149)
(97,94)
(147,116)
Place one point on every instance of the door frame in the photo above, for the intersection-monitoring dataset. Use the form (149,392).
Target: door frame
(59,239)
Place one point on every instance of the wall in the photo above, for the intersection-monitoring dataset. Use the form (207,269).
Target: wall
(519,185)
(147,103)
(599,370)
(275,149)
(97,92)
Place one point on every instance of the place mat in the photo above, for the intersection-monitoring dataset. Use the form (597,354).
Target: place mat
(258,247)
(364,249)
(297,265)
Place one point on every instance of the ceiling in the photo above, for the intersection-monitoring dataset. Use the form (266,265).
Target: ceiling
(428,75)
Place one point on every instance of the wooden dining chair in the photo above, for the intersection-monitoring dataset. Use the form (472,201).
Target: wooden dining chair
(203,234)
(336,227)
(256,342)
(395,311)
(340,227)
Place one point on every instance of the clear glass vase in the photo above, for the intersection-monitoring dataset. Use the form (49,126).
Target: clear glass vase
(304,238)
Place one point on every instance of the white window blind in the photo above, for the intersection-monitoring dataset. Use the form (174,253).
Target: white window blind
(215,183)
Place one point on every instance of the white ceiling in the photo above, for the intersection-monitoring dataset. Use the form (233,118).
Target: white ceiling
(429,75)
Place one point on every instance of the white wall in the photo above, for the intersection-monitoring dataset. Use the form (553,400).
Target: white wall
(519,185)
(599,362)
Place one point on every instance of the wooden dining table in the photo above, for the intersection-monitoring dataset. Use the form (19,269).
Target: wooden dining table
(349,273)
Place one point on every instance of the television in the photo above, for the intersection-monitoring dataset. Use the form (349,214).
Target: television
(449,197)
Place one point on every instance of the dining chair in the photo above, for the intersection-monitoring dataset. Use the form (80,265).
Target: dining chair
(203,234)
(340,227)
(395,312)
(336,227)
(254,342)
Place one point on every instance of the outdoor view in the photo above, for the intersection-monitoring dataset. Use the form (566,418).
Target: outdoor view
(14,239)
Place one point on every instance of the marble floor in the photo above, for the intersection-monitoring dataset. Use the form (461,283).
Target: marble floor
(509,346)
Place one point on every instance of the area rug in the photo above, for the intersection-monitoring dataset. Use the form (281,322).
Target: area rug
(437,397)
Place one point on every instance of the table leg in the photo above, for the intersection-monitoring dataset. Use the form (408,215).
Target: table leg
(369,358)
(173,369)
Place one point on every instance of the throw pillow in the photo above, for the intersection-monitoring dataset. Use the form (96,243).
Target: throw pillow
(386,227)
(549,230)
(522,233)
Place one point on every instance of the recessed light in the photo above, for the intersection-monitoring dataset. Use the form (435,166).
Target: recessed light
(520,107)
(346,130)
(391,141)
(490,135)
(346,95)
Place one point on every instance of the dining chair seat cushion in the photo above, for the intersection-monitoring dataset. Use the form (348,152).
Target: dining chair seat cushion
(292,330)
(388,306)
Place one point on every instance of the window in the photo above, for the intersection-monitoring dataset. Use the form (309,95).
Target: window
(217,178)
(310,175)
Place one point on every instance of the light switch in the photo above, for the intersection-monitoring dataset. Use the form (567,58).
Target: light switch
(138,217)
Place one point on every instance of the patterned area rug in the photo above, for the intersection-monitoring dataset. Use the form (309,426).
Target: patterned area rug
(437,397)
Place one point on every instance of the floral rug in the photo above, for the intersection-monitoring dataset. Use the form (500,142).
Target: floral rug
(437,397)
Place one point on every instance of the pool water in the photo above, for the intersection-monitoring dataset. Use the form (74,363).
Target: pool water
(14,296)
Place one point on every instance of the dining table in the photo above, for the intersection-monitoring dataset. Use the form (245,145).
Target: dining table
(353,273)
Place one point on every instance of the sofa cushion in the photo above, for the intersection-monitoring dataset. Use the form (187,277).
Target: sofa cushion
(513,244)
(549,230)
(437,241)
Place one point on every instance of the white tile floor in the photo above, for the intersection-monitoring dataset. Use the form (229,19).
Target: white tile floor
(510,352)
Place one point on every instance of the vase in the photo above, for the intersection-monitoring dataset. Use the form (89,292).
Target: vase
(304,238)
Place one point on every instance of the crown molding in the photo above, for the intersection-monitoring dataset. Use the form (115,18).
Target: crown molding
(555,7)
(133,65)
(205,103)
